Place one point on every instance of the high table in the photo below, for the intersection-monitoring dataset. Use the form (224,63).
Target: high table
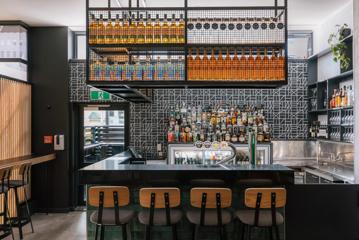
(113,172)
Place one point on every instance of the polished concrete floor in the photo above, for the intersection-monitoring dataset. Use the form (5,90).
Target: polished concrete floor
(68,226)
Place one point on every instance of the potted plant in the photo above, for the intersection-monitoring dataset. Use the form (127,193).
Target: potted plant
(339,47)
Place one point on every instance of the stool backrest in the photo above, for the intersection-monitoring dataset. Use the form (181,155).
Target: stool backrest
(157,196)
(211,197)
(107,196)
(24,172)
(4,178)
(265,197)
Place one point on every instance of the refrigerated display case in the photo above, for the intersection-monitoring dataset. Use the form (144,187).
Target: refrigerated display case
(190,154)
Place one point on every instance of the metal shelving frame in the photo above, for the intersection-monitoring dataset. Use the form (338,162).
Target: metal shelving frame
(185,47)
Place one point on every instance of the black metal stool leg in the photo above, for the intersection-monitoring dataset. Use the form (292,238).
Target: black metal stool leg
(124,232)
(193,232)
(28,210)
(148,232)
(174,232)
(102,232)
(244,228)
(18,213)
(270,233)
(96,232)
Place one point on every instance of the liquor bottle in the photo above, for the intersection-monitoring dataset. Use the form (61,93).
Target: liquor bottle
(97,70)
(118,71)
(179,72)
(170,135)
(140,30)
(265,66)
(344,97)
(101,31)
(165,30)
(235,67)
(168,70)
(190,63)
(149,30)
(109,32)
(93,30)
(137,70)
(159,70)
(220,66)
(180,30)
(273,66)
(132,30)
(102,71)
(243,64)
(126,72)
(257,68)
(205,66)
(227,73)
(338,100)
(117,30)
(157,30)
(148,70)
(173,30)
(251,66)
(125,30)
(113,71)
(197,66)
(350,96)
(212,67)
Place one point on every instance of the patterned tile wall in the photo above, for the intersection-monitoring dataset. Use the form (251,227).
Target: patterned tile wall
(285,107)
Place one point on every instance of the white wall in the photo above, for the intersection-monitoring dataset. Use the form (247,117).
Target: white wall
(322,31)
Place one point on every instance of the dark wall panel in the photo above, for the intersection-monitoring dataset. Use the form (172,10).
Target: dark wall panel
(49,75)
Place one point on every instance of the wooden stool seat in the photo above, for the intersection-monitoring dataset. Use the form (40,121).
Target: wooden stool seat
(264,217)
(108,216)
(211,217)
(159,217)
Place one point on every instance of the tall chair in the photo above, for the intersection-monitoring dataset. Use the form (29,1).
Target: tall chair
(108,200)
(210,204)
(21,180)
(263,204)
(160,204)
(5,222)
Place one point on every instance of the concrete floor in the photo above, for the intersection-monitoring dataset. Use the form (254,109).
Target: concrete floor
(68,226)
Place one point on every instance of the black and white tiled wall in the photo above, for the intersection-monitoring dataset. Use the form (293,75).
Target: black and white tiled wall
(285,107)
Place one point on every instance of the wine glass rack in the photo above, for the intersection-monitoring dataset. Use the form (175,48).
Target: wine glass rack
(153,47)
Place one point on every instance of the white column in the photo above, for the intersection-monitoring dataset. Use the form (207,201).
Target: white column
(356,89)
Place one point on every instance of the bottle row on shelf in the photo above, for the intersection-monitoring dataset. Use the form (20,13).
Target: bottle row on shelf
(346,117)
(172,69)
(148,29)
(332,132)
(343,97)
(188,124)
(136,30)
(227,66)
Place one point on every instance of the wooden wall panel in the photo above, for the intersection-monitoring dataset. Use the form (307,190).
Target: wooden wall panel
(15,127)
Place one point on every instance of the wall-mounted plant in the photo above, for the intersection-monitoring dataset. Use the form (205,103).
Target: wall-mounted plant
(339,47)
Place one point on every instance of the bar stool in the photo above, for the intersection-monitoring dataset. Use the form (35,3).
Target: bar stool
(160,204)
(5,224)
(262,199)
(211,202)
(21,180)
(108,200)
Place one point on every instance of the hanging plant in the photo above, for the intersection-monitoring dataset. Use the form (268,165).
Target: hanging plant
(339,47)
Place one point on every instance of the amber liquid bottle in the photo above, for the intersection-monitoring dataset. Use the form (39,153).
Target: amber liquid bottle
(165,30)
(157,30)
(173,30)
(220,66)
(212,66)
(93,30)
(265,66)
(235,65)
(190,69)
(251,64)
(197,66)
(125,30)
(243,70)
(140,31)
(101,31)
(281,64)
(117,30)
(257,73)
(205,66)
(273,66)
(109,32)
(227,71)
(132,30)
(180,30)
(149,30)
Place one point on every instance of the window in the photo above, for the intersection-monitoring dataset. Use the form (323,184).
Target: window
(300,44)
(79,45)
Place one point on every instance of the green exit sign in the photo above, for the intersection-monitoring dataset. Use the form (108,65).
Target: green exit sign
(99,95)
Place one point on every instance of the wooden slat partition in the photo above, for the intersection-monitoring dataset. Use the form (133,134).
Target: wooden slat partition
(15,126)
